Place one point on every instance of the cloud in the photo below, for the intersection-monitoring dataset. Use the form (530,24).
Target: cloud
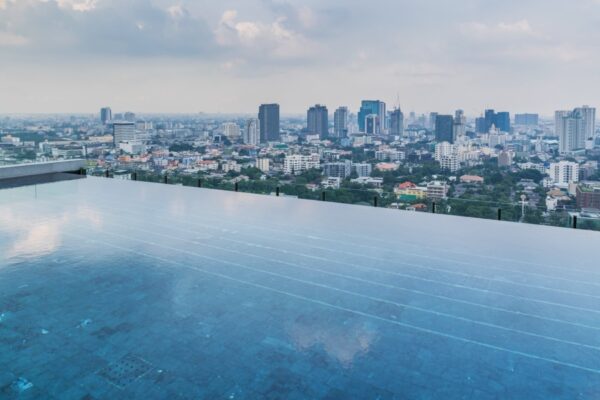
(78,5)
(8,39)
(272,40)
(500,30)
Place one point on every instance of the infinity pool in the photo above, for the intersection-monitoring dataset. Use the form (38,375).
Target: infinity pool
(115,289)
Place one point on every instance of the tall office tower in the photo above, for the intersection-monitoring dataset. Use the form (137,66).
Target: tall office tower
(526,119)
(369,107)
(570,129)
(231,130)
(372,124)
(502,121)
(460,124)
(317,121)
(588,114)
(444,128)
(432,118)
(490,120)
(105,115)
(268,116)
(480,125)
(129,116)
(252,132)
(340,122)
(397,122)
(123,132)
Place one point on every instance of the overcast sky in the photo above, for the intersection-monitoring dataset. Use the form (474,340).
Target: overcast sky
(230,56)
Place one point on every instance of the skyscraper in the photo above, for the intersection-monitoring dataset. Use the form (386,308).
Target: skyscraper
(432,118)
(397,122)
(480,125)
(317,121)
(372,107)
(340,122)
(372,124)
(460,124)
(570,129)
(502,121)
(444,128)
(251,133)
(490,119)
(268,116)
(588,114)
(105,115)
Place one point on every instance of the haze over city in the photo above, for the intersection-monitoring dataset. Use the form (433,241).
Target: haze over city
(73,56)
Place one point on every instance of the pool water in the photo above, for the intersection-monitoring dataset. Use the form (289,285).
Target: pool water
(115,289)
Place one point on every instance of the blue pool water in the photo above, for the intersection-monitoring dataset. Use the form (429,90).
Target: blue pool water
(112,289)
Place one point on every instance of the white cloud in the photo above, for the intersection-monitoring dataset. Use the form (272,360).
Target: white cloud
(8,39)
(501,30)
(78,5)
(274,38)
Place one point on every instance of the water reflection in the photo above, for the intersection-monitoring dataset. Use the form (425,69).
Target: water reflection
(342,341)
(42,234)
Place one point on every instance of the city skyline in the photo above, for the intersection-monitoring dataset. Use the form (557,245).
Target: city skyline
(164,56)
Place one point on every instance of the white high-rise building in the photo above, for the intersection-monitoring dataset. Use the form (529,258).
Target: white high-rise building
(570,129)
(460,125)
(123,132)
(296,164)
(340,122)
(252,132)
(447,155)
(263,164)
(588,114)
(564,172)
(231,130)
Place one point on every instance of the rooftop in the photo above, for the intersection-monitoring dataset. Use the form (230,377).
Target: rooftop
(119,289)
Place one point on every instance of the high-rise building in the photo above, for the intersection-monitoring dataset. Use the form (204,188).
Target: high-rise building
(460,124)
(263,164)
(432,119)
(231,130)
(490,119)
(296,164)
(444,128)
(480,125)
(564,172)
(123,132)
(317,121)
(372,124)
(340,169)
(570,129)
(268,116)
(129,116)
(340,122)
(105,115)
(397,122)
(526,119)
(588,114)
(502,121)
(252,132)
(372,107)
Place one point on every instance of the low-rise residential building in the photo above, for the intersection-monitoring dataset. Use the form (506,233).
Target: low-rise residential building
(437,190)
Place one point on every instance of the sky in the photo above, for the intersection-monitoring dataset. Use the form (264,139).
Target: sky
(189,56)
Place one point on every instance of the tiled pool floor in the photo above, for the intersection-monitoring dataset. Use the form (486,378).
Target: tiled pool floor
(113,289)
